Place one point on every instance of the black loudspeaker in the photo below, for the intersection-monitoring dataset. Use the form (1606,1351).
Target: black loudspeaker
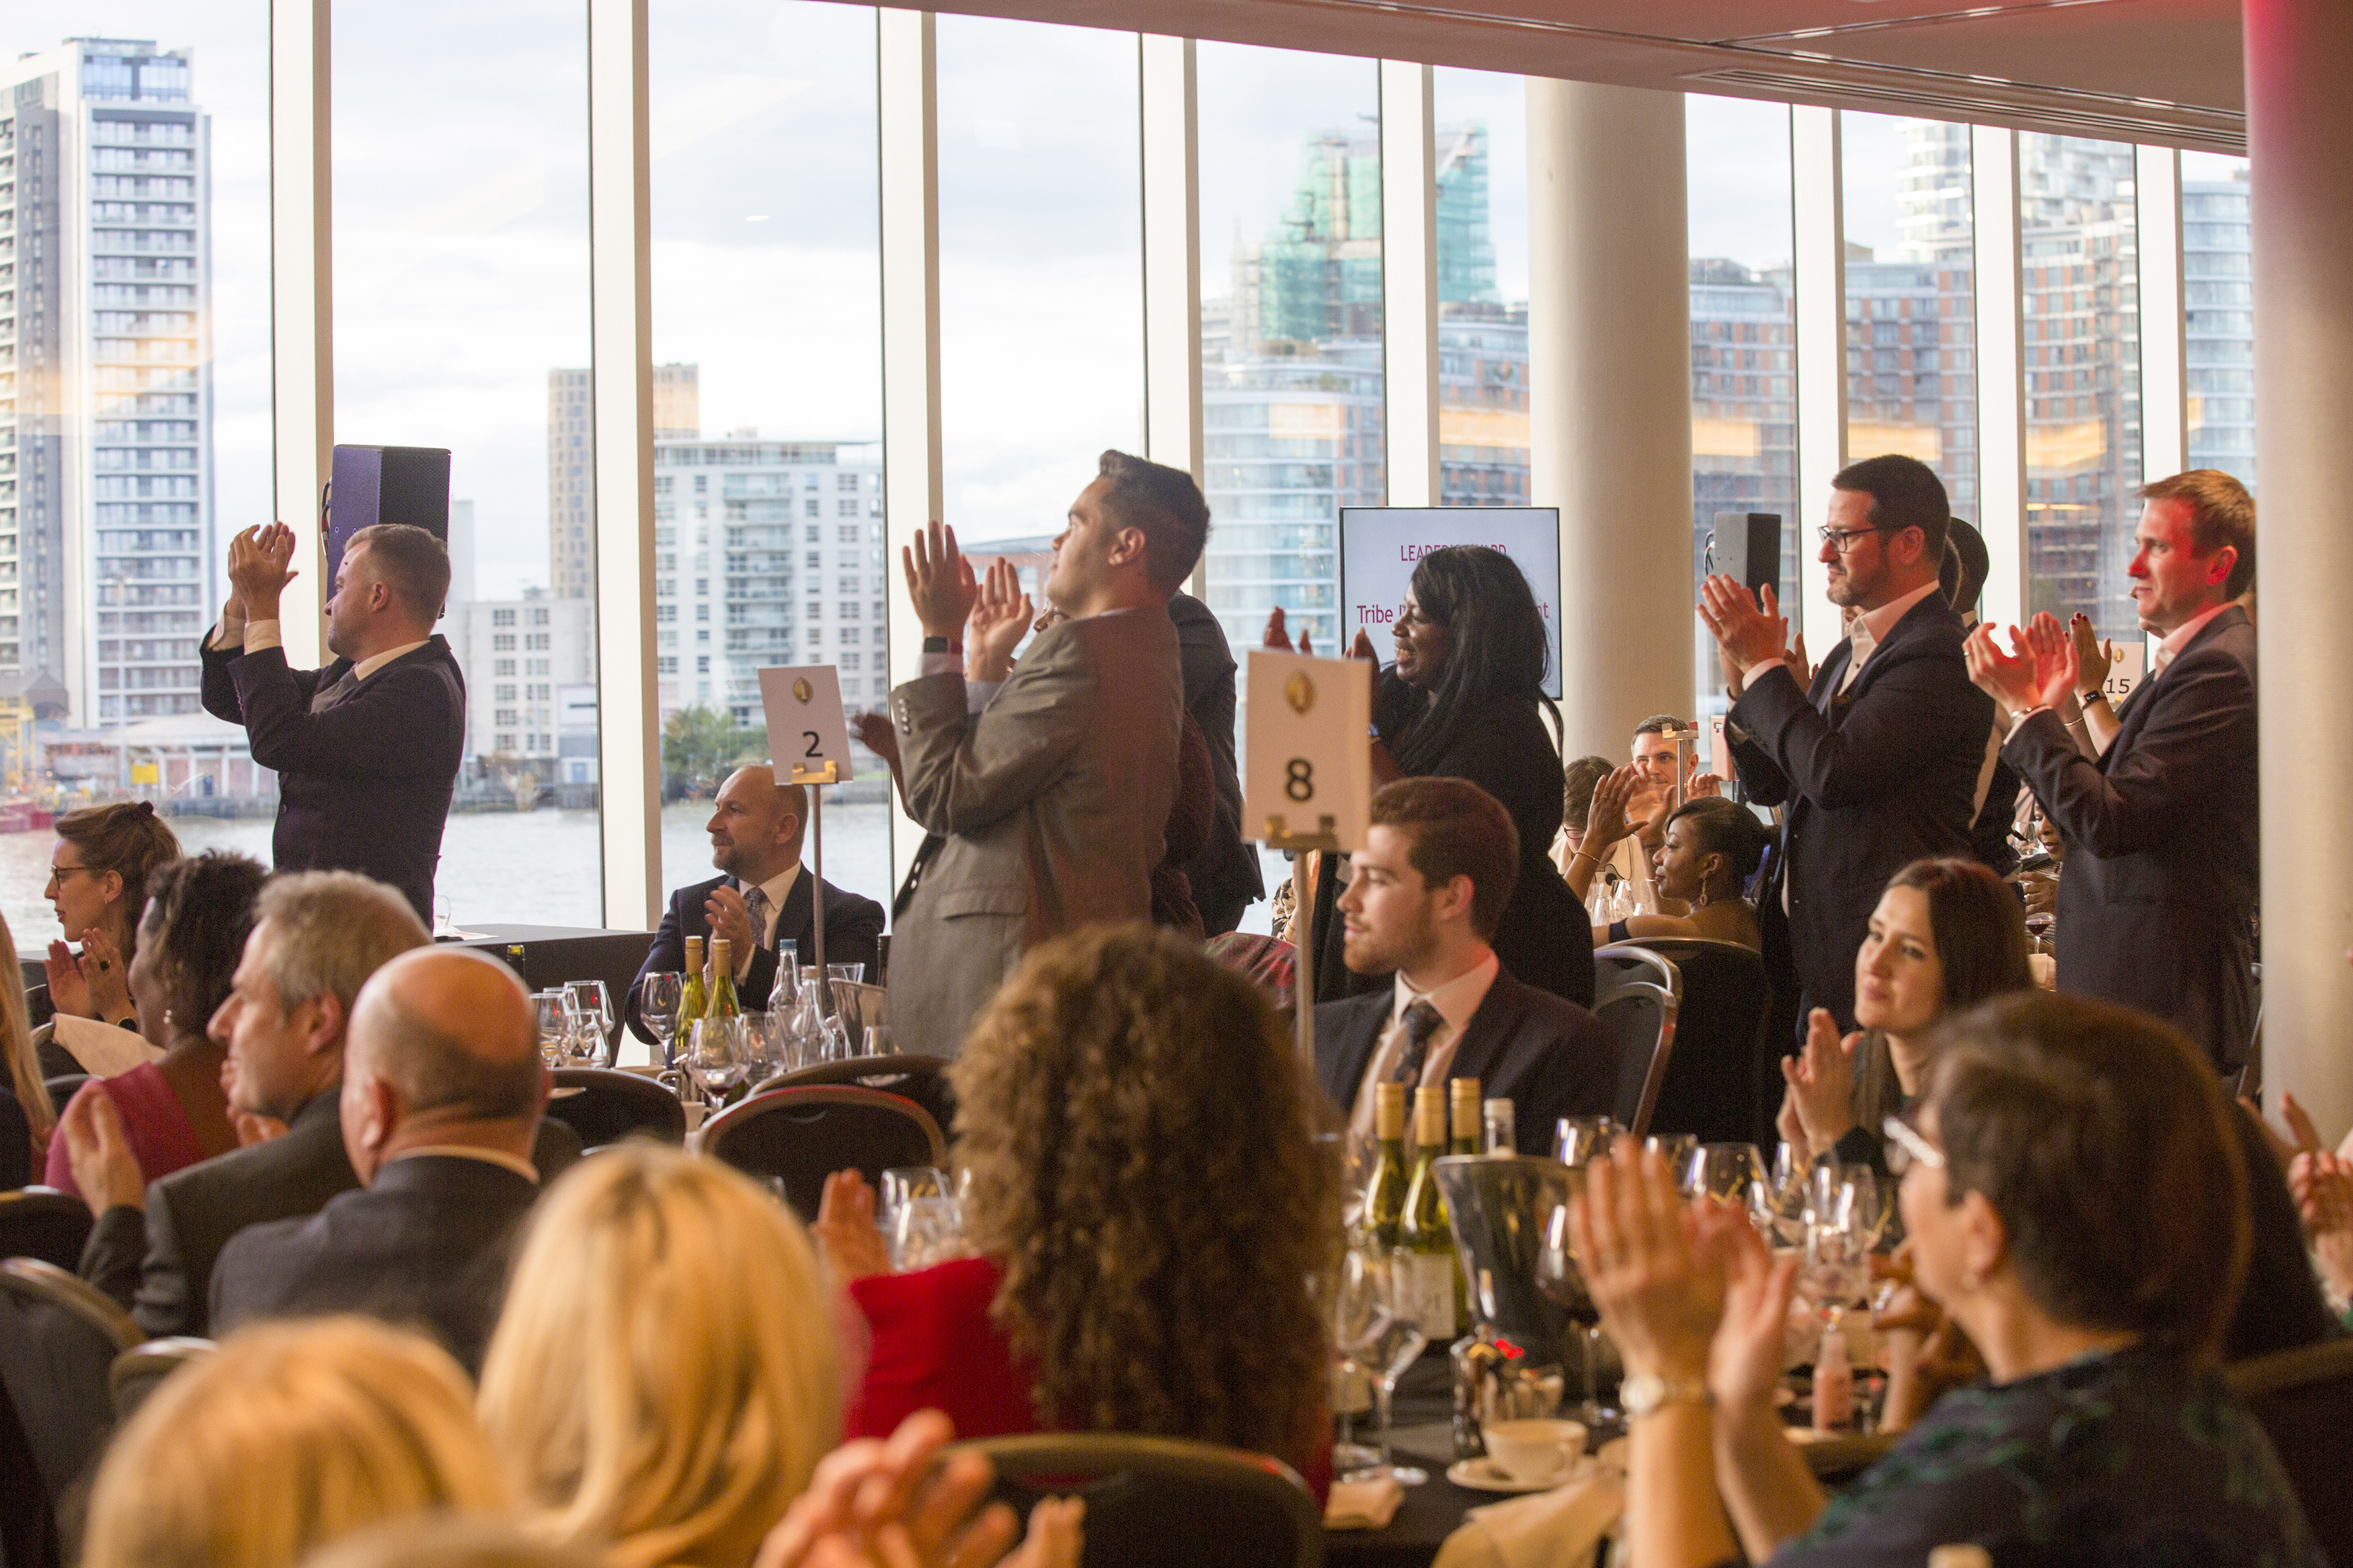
(1747,545)
(384,484)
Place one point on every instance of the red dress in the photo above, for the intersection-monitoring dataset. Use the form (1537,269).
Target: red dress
(934,1349)
(158,1130)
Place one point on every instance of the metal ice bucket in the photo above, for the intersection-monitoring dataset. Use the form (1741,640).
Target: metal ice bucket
(1498,1205)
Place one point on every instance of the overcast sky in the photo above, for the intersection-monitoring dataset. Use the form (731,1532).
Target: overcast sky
(461,256)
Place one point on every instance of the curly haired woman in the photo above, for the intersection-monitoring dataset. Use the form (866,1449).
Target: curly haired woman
(1148,1207)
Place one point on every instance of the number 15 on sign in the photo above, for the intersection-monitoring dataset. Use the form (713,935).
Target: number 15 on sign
(1310,747)
(806,727)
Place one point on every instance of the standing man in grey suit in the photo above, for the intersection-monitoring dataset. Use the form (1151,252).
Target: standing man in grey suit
(1050,792)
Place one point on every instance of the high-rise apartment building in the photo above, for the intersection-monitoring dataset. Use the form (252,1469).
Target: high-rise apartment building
(106,461)
(571,476)
(517,654)
(767,553)
(2218,284)
(1744,404)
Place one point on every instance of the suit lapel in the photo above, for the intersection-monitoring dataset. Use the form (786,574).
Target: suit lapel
(797,915)
(1353,1053)
(1489,1034)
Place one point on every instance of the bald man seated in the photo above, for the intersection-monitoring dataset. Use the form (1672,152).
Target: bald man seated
(764,903)
(441,1097)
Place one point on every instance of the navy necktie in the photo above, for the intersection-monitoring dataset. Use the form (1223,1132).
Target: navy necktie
(1421,1021)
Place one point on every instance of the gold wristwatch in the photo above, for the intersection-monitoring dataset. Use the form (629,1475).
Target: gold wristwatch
(1643,1393)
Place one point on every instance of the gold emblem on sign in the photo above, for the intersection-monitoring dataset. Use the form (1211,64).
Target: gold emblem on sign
(1298,692)
(801,687)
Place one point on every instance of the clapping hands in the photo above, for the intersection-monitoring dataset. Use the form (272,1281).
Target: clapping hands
(2040,670)
(261,565)
(1001,617)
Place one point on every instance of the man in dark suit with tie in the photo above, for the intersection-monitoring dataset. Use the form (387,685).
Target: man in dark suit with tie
(1879,761)
(441,1095)
(366,749)
(1425,895)
(316,938)
(2158,898)
(765,903)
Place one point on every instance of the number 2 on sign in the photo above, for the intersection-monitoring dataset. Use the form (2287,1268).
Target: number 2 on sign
(1299,779)
(810,736)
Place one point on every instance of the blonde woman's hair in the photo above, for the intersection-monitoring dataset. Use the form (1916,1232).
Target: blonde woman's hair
(664,1376)
(16,1045)
(289,1436)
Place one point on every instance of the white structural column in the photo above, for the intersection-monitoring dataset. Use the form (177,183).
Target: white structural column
(2300,142)
(2163,384)
(1172,255)
(1817,228)
(2000,355)
(301,302)
(912,492)
(1409,282)
(1609,396)
(620,311)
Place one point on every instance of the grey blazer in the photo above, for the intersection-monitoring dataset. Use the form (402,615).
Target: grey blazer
(1051,805)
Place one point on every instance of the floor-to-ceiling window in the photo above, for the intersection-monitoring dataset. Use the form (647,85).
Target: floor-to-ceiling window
(1482,138)
(767,399)
(2219,306)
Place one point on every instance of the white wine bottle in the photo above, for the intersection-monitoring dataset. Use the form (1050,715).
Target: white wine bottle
(722,1002)
(1425,1240)
(1384,1188)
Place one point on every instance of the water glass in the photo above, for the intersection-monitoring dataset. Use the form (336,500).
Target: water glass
(900,1185)
(877,1042)
(1578,1140)
(658,997)
(1675,1147)
(854,974)
(1733,1173)
(927,1231)
(717,1056)
(1360,1317)
(592,1007)
(1563,1282)
(552,1024)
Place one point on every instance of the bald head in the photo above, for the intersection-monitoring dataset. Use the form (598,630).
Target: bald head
(755,823)
(442,1050)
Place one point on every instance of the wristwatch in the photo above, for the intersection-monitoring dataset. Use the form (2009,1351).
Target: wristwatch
(1643,1394)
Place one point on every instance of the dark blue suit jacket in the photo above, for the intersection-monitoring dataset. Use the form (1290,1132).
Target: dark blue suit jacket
(853,929)
(425,1245)
(366,785)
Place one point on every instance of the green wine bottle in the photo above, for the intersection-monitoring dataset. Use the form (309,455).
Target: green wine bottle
(1462,1111)
(1385,1189)
(722,1002)
(691,999)
(1433,1276)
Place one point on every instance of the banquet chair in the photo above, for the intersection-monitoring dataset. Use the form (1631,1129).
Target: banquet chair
(922,1079)
(2304,1397)
(1638,994)
(58,1338)
(1165,1502)
(44,1222)
(1712,1087)
(63,1087)
(800,1136)
(139,1370)
(612,1105)
(16,1143)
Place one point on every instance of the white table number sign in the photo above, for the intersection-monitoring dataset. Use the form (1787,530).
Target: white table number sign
(805,726)
(1310,744)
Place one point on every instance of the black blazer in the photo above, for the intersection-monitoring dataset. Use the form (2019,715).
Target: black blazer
(1224,877)
(1550,1058)
(159,1265)
(2158,897)
(853,929)
(1872,779)
(426,1245)
(363,785)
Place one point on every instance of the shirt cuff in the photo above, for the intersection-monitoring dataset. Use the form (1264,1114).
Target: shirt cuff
(1749,673)
(2020,723)
(979,694)
(941,663)
(227,634)
(260,635)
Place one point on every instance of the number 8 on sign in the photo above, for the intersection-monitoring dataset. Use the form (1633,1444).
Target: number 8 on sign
(1299,779)
(1307,762)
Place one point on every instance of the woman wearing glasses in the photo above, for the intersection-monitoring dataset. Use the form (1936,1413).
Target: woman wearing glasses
(98,885)
(2077,1201)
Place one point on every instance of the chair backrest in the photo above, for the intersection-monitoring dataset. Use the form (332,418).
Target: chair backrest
(1638,994)
(44,1222)
(1711,1084)
(137,1372)
(923,1080)
(611,1106)
(801,1136)
(63,1087)
(58,1338)
(15,1143)
(1164,1502)
(2304,1397)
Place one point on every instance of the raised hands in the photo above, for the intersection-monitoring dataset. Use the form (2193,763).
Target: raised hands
(845,1233)
(939,581)
(1606,820)
(98,1149)
(2095,655)
(1000,617)
(1821,1081)
(1748,631)
(2022,677)
(1655,1267)
(261,565)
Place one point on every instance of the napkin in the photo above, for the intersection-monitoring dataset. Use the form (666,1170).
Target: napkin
(1363,1505)
(1543,1529)
(102,1049)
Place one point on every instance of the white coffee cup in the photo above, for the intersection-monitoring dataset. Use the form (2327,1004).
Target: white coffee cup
(1534,1452)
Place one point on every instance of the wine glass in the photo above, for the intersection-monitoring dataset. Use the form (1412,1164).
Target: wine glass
(878,1040)
(658,997)
(1559,1276)
(1732,1173)
(1392,1354)
(1360,1312)
(552,1024)
(1579,1138)
(1675,1148)
(591,1005)
(717,1056)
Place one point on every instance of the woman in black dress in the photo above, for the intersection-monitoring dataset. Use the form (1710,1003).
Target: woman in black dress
(1464,700)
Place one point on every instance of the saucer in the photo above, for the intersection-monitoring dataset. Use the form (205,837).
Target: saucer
(1481,1475)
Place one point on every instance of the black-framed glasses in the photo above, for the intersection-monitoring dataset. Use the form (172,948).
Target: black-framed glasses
(57,874)
(1843,539)
(1904,1145)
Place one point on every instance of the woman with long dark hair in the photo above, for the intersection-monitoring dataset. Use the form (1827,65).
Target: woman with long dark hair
(1465,700)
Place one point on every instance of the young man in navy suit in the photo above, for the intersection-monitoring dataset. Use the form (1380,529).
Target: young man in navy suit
(764,900)
(1428,889)
(2156,905)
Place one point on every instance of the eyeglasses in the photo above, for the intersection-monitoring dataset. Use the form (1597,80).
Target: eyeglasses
(1843,539)
(1904,1145)
(58,873)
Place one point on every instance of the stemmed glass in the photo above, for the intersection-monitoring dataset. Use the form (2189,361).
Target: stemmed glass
(592,1008)
(552,1022)
(1393,1353)
(1579,1138)
(1842,1221)
(717,1058)
(657,999)
(1360,1315)
(1731,1172)
(1559,1277)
